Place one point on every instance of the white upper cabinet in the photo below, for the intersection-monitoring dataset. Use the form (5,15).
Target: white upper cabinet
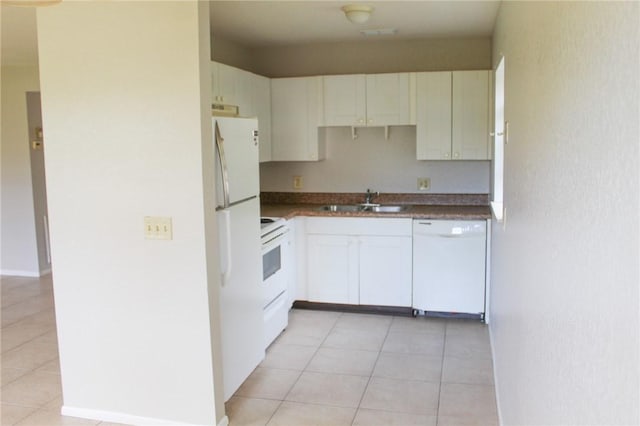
(296,114)
(261,104)
(433,115)
(388,99)
(251,93)
(452,115)
(367,100)
(470,110)
(228,85)
(345,100)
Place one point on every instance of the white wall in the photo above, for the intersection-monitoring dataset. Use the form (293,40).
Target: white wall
(19,250)
(565,284)
(371,161)
(125,88)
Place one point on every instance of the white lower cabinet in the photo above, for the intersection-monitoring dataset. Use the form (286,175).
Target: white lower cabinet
(385,271)
(364,261)
(332,265)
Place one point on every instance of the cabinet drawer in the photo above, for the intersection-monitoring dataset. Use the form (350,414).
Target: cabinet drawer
(359,226)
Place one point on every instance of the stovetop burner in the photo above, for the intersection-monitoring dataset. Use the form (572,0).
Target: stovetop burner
(269,224)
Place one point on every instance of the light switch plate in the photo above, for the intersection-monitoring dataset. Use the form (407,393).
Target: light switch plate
(158,228)
(424,184)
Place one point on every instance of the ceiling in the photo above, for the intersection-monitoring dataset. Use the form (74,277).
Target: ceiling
(266,23)
(277,23)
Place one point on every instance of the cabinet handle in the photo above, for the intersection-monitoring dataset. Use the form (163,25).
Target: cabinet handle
(446,155)
(360,120)
(370,121)
(504,132)
(456,155)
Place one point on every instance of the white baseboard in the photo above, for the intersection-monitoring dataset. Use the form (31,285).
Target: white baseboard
(109,416)
(19,273)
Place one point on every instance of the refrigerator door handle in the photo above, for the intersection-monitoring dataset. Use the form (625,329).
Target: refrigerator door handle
(223,166)
(224,225)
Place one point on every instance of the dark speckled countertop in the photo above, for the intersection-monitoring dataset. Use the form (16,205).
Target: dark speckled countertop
(419,206)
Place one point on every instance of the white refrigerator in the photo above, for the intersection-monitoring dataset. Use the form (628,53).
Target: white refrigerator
(238,213)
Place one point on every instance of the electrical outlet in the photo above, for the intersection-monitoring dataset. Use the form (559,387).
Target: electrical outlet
(297,182)
(158,228)
(424,184)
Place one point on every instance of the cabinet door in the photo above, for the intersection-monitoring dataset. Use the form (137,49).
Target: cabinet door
(224,84)
(470,115)
(262,109)
(388,99)
(232,86)
(332,269)
(433,115)
(295,117)
(385,271)
(345,100)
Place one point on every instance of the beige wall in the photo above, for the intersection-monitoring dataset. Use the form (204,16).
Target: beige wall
(19,248)
(359,57)
(128,136)
(371,161)
(565,283)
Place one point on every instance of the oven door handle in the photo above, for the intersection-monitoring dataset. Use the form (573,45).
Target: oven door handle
(224,227)
(275,240)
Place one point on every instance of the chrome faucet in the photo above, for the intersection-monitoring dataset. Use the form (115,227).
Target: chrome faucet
(368,196)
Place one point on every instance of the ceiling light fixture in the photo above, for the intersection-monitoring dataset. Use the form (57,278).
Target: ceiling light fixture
(357,13)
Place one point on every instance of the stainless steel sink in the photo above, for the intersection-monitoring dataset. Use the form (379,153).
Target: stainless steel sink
(387,209)
(362,208)
(341,208)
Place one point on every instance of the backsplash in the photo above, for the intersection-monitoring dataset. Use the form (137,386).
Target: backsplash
(382,198)
(371,161)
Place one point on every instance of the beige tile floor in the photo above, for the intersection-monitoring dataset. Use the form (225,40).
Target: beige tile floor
(331,368)
(327,368)
(30,391)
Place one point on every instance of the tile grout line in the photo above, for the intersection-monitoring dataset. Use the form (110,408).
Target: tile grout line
(28,415)
(284,398)
(444,346)
(31,340)
(355,414)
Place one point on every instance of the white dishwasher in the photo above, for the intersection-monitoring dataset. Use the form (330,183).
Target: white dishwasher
(449,266)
